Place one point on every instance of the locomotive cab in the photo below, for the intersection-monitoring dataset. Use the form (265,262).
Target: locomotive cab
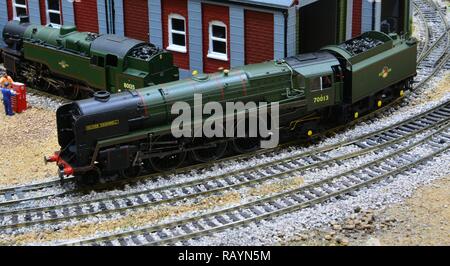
(319,76)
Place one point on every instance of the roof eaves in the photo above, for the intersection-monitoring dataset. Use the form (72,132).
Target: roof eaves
(276,4)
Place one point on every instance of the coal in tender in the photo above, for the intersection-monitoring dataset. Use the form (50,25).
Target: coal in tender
(144,52)
(91,36)
(360,45)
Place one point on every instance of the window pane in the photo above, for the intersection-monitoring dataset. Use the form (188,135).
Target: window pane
(178,24)
(94,60)
(21,11)
(101,61)
(326,82)
(21,2)
(112,60)
(315,84)
(219,31)
(178,39)
(219,47)
(53,4)
(54,18)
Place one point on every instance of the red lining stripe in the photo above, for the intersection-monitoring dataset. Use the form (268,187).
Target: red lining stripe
(221,87)
(143,104)
(244,87)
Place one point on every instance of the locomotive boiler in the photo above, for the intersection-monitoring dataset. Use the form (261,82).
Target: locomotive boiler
(130,131)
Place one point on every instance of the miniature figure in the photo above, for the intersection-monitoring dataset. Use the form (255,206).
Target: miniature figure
(7,94)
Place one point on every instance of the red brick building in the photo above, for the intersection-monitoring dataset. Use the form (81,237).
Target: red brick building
(206,35)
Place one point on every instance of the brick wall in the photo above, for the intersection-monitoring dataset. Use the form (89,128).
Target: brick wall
(42,11)
(176,7)
(86,15)
(209,14)
(136,19)
(259,37)
(357,13)
(10,11)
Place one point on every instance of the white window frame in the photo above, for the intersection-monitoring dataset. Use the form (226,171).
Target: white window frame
(20,6)
(48,11)
(172,46)
(211,53)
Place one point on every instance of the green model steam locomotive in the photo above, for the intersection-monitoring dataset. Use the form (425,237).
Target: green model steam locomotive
(76,64)
(126,132)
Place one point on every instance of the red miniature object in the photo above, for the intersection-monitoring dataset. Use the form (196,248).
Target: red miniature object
(64,168)
(19,101)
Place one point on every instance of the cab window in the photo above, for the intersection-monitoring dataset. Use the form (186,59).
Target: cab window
(98,61)
(326,82)
(111,60)
(315,84)
(101,61)
(321,83)
(338,75)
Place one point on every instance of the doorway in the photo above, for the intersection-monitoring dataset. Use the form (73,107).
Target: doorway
(318,25)
(393,16)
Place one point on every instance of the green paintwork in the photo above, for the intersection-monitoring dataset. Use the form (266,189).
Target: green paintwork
(66,64)
(67,52)
(278,82)
(397,55)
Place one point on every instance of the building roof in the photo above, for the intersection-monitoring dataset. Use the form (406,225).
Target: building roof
(281,4)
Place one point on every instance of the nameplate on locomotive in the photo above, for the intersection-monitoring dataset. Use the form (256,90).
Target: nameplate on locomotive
(102,125)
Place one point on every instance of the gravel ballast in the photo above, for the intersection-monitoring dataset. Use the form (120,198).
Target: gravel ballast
(280,230)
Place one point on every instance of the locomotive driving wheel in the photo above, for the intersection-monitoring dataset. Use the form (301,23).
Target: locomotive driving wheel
(135,164)
(213,151)
(248,143)
(90,178)
(215,148)
(166,144)
(72,92)
(244,145)
(131,172)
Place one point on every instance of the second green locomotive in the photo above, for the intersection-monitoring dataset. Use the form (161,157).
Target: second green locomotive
(76,64)
(126,132)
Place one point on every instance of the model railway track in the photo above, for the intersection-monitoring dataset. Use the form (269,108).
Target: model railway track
(399,161)
(423,31)
(50,96)
(16,195)
(19,194)
(433,59)
(437,38)
(275,171)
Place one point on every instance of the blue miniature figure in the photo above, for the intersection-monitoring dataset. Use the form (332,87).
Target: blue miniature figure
(7,94)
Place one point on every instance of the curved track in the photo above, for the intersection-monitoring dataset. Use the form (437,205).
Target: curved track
(433,57)
(14,196)
(20,194)
(423,32)
(274,171)
(437,44)
(431,61)
(396,162)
